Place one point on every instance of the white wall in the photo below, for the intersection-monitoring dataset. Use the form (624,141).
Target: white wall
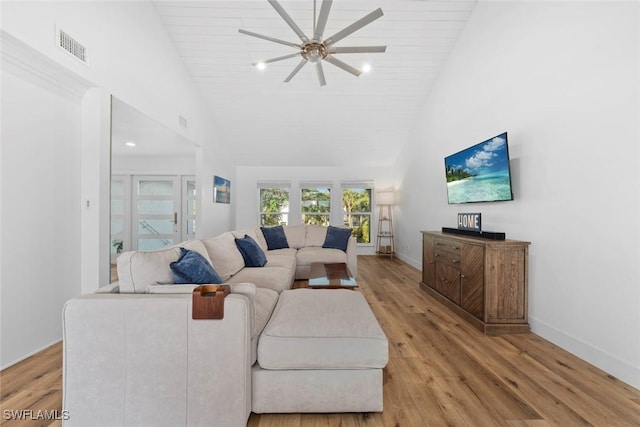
(246,190)
(131,57)
(562,79)
(214,218)
(153,165)
(41,211)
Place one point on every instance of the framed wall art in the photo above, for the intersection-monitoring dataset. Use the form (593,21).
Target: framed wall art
(221,190)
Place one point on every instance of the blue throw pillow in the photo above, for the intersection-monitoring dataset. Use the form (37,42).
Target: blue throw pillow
(337,238)
(275,237)
(193,268)
(252,253)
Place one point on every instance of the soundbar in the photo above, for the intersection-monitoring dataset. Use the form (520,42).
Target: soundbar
(493,235)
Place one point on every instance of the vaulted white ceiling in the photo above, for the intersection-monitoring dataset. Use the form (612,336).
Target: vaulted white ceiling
(350,121)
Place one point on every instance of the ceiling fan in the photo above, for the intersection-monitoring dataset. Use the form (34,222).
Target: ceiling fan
(315,49)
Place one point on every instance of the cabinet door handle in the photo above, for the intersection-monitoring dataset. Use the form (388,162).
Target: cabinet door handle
(455,248)
(462,276)
(455,261)
(437,255)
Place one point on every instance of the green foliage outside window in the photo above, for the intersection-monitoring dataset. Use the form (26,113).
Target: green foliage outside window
(356,203)
(274,206)
(316,206)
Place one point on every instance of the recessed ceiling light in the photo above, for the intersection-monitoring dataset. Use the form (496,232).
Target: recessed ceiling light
(130,144)
(261,65)
(366,68)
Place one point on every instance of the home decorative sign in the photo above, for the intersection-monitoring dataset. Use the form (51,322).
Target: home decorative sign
(470,221)
(221,190)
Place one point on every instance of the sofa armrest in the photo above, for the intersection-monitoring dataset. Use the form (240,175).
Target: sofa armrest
(246,289)
(352,256)
(142,359)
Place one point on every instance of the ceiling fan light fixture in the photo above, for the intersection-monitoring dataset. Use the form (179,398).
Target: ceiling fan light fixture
(316,50)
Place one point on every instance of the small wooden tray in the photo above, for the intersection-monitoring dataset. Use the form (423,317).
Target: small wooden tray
(208,301)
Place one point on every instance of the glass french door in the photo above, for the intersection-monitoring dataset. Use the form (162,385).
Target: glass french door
(120,215)
(155,212)
(150,212)
(189,208)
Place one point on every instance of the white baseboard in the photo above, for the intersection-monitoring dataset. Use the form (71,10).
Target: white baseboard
(620,369)
(412,262)
(26,356)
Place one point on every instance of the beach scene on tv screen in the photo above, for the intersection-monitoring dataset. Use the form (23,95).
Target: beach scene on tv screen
(479,173)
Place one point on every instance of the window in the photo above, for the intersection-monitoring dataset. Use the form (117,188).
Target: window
(356,205)
(274,204)
(315,204)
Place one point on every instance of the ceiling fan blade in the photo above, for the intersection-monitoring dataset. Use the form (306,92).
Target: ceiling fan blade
(279,58)
(322,20)
(271,39)
(283,13)
(320,73)
(358,49)
(354,27)
(342,65)
(295,70)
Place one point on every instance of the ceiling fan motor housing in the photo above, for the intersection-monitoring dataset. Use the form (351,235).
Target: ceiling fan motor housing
(314,51)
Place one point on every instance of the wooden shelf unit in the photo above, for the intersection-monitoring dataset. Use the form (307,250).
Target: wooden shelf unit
(384,237)
(483,281)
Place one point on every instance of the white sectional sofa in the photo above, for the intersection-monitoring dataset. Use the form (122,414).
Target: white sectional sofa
(133,355)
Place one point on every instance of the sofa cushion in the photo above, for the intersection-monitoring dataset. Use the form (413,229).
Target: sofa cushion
(306,256)
(276,278)
(322,329)
(255,233)
(193,268)
(252,254)
(296,235)
(337,238)
(264,302)
(275,237)
(225,256)
(282,258)
(315,235)
(196,245)
(138,269)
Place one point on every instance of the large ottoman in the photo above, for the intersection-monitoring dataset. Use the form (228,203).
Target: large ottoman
(322,351)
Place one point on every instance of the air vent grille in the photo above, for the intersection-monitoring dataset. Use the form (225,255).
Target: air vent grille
(72,46)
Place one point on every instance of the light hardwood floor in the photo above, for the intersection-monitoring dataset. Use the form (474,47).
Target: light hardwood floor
(441,372)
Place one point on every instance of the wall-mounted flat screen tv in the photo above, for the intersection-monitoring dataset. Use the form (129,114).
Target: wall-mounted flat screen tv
(480,173)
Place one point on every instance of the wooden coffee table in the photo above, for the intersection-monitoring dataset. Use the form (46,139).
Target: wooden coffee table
(331,276)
